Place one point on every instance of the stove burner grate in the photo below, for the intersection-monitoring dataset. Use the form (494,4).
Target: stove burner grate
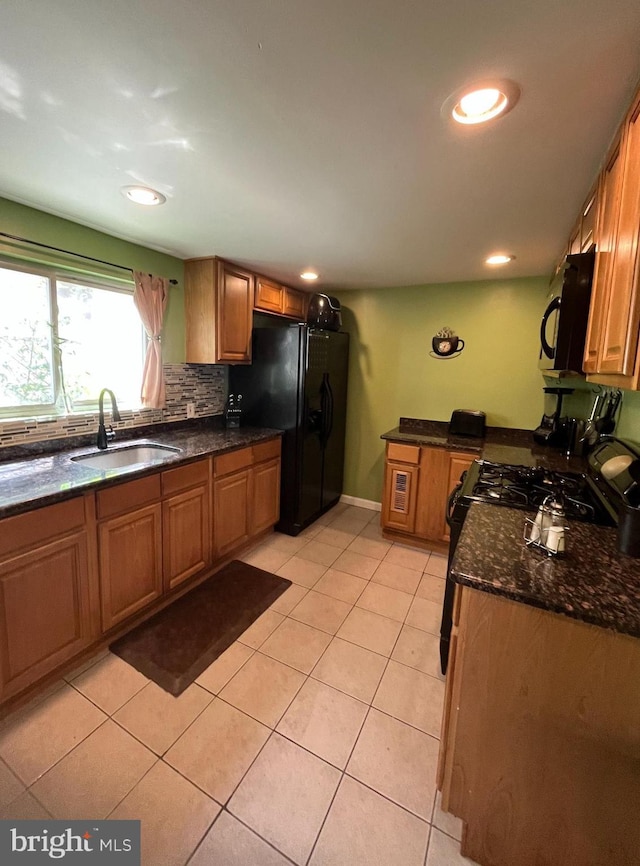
(528,487)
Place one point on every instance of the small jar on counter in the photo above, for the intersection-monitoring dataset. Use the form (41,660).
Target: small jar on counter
(548,530)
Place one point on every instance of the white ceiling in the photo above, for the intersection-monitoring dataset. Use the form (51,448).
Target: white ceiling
(290,133)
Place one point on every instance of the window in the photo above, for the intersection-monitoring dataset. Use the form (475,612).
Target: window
(63,340)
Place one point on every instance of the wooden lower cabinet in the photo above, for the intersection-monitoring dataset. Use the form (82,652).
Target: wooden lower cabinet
(71,572)
(265,499)
(246,494)
(231,511)
(418,481)
(186,524)
(130,563)
(401,480)
(48,591)
(540,744)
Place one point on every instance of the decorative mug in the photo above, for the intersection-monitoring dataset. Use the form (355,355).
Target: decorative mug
(445,346)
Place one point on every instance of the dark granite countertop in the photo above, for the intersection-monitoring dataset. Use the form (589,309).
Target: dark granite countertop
(500,445)
(44,479)
(592,582)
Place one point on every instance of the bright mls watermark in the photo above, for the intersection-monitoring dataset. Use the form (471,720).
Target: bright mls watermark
(116,843)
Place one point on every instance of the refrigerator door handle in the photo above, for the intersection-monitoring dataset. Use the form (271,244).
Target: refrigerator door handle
(329,426)
(324,409)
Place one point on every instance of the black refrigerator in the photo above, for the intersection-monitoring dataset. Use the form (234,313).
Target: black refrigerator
(297,382)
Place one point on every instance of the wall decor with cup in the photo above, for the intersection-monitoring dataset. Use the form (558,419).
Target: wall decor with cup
(446,344)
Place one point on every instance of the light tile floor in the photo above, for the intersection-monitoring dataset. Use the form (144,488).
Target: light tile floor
(313,739)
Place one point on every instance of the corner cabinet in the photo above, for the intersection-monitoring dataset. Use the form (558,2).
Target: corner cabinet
(612,353)
(417,484)
(49,593)
(218,312)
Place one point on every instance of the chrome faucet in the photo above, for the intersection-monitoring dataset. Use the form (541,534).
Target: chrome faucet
(105,436)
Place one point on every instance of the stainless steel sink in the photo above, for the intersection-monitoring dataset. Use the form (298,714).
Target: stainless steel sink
(127,455)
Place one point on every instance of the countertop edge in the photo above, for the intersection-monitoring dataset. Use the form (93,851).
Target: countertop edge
(228,440)
(594,584)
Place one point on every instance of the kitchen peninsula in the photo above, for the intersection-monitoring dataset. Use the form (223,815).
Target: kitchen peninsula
(424,463)
(540,745)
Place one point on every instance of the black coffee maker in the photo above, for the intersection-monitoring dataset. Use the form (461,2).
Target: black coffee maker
(551,431)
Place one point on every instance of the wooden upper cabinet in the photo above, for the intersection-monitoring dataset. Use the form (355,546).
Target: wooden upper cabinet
(218,312)
(620,333)
(588,220)
(294,304)
(609,200)
(612,354)
(269,296)
(574,239)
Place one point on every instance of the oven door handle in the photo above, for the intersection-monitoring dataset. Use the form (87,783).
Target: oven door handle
(453,498)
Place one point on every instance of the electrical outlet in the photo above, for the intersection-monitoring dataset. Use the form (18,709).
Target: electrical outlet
(191,410)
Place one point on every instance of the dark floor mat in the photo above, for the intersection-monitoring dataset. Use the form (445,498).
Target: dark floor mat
(178,643)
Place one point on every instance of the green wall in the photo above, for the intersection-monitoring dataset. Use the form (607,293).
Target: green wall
(17,219)
(391,373)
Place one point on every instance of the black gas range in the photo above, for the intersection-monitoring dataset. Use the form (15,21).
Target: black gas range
(596,495)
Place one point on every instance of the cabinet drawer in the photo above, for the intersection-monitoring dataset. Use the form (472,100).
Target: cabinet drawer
(183,477)
(403,453)
(27,530)
(125,497)
(266,450)
(232,461)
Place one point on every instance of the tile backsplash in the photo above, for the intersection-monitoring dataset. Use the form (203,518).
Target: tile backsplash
(204,385)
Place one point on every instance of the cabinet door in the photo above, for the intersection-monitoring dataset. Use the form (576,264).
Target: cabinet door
(458,463)
(234,307)
(130,563)
(400,495)
(44,610)
(294,304)
(621,323)
(265,496)
(588,221)
(231,512)
(609,203)
(185,535)
(269,296)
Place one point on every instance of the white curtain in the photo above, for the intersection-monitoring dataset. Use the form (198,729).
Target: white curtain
(150,297)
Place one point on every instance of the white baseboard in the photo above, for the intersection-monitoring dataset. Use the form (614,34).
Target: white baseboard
(361,503)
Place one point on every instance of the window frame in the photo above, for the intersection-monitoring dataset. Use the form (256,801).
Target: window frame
(58,409)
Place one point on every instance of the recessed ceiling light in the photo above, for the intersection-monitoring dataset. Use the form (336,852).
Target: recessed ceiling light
(499,259)
(143,195)
(481,102)
(309,275)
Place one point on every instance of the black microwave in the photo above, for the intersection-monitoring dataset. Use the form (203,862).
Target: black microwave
(564,324)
